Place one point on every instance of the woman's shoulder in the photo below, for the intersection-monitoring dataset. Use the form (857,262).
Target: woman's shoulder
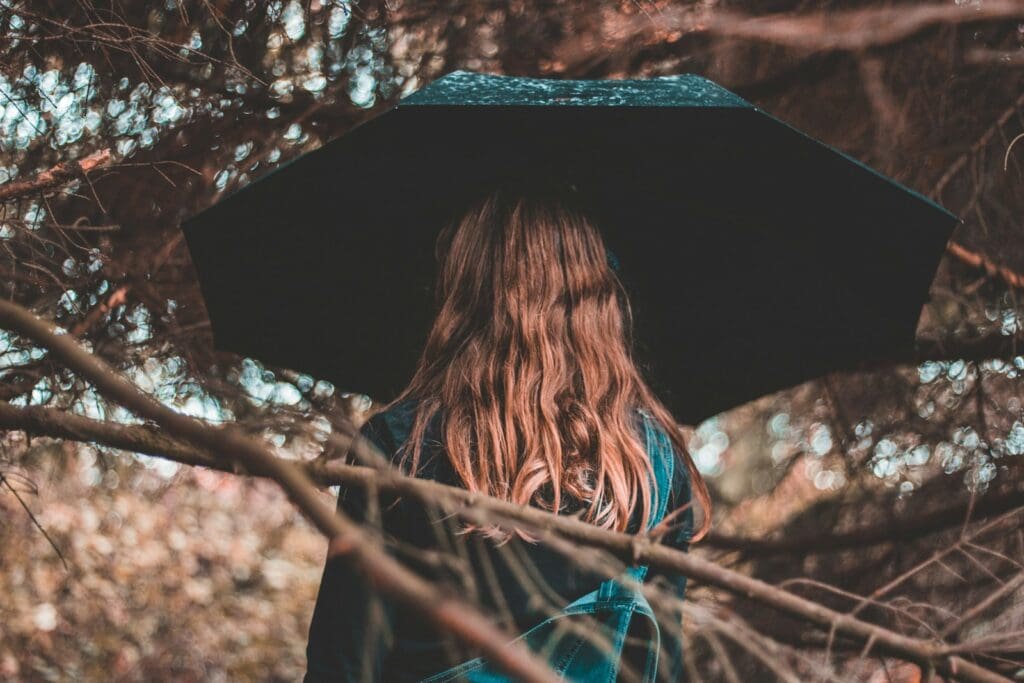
(669,463)
(389,428)
(653,433)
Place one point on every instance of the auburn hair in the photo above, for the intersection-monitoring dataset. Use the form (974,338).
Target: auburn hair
(529,360)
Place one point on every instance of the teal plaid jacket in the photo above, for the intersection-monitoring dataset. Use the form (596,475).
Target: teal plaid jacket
(602,623)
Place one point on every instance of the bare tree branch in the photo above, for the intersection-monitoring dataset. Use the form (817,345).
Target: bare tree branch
(976,260)
(483,510)
(54,177)
(384,573)
(818,32)
(894,531)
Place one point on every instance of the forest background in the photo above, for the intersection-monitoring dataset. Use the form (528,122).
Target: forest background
(893,495)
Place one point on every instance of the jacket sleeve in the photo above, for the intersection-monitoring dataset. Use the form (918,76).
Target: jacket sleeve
(347,641)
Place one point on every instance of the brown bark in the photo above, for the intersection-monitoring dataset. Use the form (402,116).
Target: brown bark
(485,510)
(384,573)
(54,177)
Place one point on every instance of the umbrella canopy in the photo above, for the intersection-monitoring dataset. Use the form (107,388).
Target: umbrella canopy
(755,257)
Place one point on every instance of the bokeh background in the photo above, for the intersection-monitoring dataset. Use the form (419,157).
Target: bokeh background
(116,566)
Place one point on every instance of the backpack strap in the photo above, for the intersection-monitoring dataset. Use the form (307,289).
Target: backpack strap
(613,593)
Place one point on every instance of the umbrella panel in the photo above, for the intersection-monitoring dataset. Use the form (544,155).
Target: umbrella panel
(755,257)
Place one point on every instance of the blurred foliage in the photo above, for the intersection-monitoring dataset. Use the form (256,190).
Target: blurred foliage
(199,576)
(185,575)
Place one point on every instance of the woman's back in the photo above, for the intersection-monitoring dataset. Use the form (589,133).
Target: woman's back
(520,582)
(526,391)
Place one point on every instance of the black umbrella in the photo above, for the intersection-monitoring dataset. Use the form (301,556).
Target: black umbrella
(755,256)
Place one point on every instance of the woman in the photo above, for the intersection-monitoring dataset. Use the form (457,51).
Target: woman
(526,390)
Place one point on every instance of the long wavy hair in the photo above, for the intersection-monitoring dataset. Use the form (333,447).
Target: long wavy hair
(529,361)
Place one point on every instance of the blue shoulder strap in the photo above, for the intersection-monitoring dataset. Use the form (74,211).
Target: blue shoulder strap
(578,657)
